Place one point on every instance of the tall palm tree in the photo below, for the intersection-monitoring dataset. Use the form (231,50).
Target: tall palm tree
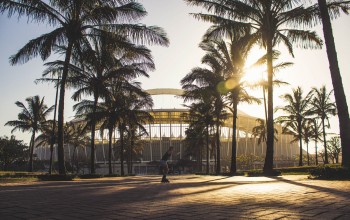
(74,22)
(339,93)
(269,20)
(276,68)
(323,107)
(204,81)
(297,108)
(202,113)
(32,119)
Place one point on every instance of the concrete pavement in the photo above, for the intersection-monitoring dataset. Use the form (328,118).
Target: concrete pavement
(186,197)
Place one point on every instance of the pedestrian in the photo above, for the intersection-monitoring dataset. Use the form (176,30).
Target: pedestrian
(164,164)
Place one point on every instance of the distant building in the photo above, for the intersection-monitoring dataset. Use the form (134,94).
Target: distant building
(168,129)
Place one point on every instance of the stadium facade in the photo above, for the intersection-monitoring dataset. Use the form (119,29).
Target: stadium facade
(168,129)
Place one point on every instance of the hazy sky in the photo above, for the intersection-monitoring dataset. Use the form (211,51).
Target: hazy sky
(173,63)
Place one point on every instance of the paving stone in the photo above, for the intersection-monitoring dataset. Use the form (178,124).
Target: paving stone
(187,197)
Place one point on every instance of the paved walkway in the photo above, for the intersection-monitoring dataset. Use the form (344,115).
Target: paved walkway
(186,197)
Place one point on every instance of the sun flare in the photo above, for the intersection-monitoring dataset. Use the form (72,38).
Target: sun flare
(253,75)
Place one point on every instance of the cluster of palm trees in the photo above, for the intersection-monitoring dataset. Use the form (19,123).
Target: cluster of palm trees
(241,24)
(103,54)
(307,118)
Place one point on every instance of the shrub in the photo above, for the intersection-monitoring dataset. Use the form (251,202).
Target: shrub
(91,176)
(330,173)
(56,177)
(296,170)
(252,173)
(112,175)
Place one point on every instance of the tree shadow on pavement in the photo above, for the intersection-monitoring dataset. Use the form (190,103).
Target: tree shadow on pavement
(330,190)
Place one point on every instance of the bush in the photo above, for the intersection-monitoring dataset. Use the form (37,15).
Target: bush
(238,173)
(56,177)
(330,173)
(112,175)
(252,173)
(296,170)
(91,176)
(14,175)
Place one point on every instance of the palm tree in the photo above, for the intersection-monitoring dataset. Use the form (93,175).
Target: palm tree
(204,82)
(307,133)
(263,83)
(113,112)
(260,131)
(101,64)
(135,145)
(202,114)
(32,119)
(136,103)
(323,107)
(297,108)
(316,136)
(74,22)
(339,93)
(47,138)
(269,21)
(75,135)
(194,141)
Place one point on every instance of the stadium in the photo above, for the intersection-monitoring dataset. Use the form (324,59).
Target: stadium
(168,129)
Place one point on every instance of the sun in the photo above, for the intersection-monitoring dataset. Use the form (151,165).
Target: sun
(254,73)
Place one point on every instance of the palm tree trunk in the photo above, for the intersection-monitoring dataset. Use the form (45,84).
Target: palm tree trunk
(218,151)
(132,142)
(307,153)
(300,143)
(324,143)
(316,157)
(265,107)
(53,135)
(128,159)
(73,158)
(93,128)
(60,147)
(200,159)
(30,165)
(234,137)
(268,166)
(207,142)
(121,151)
(340,99)
(110,135)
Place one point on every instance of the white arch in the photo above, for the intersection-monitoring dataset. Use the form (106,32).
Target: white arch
(165,91)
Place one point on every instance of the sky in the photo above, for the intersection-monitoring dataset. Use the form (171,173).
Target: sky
(310,67)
